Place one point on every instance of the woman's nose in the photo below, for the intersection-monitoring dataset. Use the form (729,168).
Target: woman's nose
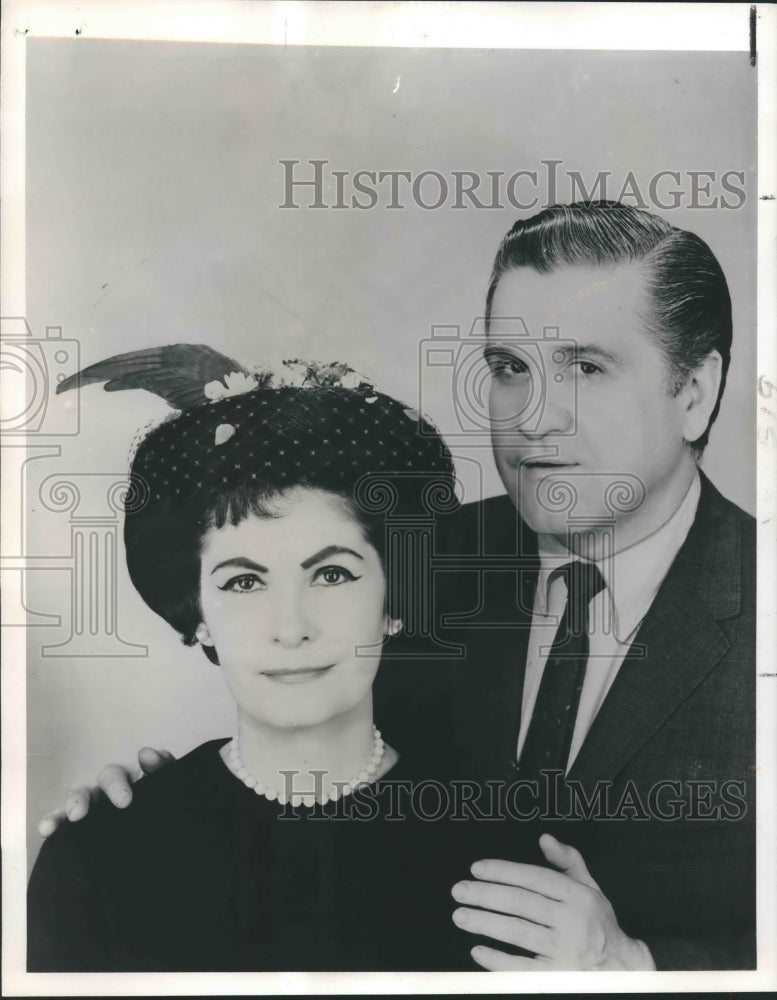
(291,626)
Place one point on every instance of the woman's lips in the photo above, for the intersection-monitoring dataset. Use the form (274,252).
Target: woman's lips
(299,676)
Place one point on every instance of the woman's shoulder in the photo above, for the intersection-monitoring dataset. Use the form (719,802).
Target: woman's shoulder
(195,782)
(195,769)
(157,799)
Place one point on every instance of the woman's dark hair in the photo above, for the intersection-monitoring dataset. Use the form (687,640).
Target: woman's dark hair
(220,462)
(690,306)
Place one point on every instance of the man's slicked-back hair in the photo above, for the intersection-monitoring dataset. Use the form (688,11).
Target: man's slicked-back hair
(689,307)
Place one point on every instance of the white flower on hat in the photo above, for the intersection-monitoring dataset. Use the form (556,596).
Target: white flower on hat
(351,380)
(235,384)
(319,375)
(296,375)
(223,433)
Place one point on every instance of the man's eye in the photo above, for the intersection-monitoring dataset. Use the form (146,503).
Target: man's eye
(331,576)
(589,368)
(247,583)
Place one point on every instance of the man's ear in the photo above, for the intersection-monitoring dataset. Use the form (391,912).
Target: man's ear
(699,396)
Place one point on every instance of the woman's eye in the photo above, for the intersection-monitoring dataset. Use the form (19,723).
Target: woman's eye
(505,367)
(247,583)
(330,576)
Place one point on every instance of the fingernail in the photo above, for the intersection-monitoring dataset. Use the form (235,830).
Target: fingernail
(123,799)
(460,890)
(460,916)
(479,868)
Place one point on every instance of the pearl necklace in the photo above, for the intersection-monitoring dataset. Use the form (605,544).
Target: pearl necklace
(365,776)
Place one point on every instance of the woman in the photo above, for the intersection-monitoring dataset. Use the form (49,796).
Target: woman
(255,525)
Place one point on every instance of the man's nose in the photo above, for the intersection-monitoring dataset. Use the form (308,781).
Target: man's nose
(552,411)
(292,625)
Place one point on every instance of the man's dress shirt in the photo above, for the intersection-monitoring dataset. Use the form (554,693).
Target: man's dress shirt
(632,578)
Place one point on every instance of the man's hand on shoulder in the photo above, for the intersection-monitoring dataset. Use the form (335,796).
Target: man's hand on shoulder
(114,783)
(561,916)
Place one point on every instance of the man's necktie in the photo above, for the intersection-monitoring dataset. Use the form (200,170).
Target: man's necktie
(552,724)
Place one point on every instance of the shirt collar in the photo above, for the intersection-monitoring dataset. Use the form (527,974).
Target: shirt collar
(633,575)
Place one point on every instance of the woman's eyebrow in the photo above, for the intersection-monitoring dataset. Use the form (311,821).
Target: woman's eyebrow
(499,350)
(243,563)
(330,550)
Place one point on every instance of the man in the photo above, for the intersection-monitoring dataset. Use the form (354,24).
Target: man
(620,326)
(609,630)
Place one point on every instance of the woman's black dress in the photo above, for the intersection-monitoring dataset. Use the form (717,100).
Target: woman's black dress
(202,874)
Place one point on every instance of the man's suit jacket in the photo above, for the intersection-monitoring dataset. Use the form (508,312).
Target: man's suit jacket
(681,710)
